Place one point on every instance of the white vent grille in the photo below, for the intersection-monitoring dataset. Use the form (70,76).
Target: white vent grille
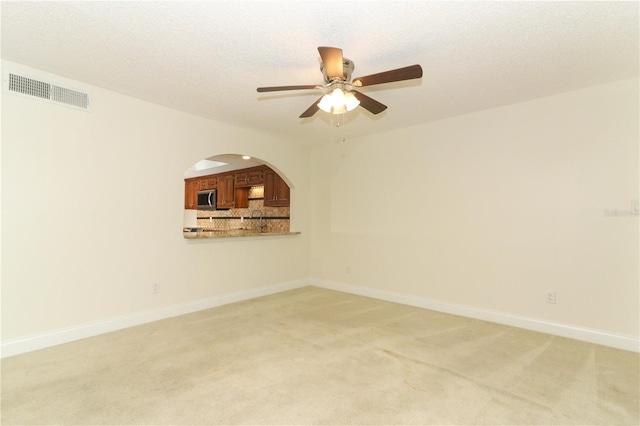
(29,86)
(41,89)
(69,97)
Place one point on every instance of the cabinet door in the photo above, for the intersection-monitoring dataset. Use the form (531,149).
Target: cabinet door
(225,195)
(191,194)
(276,190)
(212,182)
(255,177)
(206,182)
(269,187)
(241,199)
(249,177)
(241,178)
(202,184)
(283,193)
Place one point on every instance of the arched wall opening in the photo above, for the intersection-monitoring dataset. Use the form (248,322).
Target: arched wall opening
(234,192)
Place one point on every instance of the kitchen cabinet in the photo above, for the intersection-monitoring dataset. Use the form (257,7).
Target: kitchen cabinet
(191,194)
(256,177)
(276,190)
(232,188)
(249,177)
(241,198)
(225,192)
(207,182)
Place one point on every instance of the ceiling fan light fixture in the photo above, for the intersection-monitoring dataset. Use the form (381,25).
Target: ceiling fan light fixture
(326,103)
(340,109)
(337,97)
(350,101)
(338,102)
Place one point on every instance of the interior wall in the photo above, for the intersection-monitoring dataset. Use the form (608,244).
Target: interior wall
(493,209)
(92,211)
(490,210)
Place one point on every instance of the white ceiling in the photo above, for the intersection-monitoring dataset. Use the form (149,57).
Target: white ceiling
(207,58)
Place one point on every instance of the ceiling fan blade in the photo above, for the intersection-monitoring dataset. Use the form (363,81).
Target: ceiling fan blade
(279,88)
(332,60)
(368,103)
(312,109)
(406,73)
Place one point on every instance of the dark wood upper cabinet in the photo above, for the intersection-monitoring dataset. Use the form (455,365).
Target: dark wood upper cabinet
(207,182)
(191,194)
(276,190)
(225,195)
(232,188)
(249,177)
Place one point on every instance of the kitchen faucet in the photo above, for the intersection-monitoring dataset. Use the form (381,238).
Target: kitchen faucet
(260,225)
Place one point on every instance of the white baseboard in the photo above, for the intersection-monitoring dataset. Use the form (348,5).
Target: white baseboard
(57,337)
(65,335)
(599,337)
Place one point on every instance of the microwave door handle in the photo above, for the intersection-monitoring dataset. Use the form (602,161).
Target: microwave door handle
(209,199)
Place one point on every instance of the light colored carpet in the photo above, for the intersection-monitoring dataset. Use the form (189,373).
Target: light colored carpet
(314,356)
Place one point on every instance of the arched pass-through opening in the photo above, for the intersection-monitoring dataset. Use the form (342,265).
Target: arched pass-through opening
(235,195)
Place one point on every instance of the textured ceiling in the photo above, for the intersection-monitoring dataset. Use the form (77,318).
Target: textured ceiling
(207,58)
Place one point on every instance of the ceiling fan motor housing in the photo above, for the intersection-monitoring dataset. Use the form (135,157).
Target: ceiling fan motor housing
(347,66)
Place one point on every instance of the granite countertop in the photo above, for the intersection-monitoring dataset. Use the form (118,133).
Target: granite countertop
(201,233)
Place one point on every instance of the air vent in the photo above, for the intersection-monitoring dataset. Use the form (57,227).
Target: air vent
(29,86)
(69,97)
(19,84)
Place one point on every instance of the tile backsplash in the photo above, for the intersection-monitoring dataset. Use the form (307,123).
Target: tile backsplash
(275,218)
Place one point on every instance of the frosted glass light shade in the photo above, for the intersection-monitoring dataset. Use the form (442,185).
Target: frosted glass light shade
(325,103)
(341,109)
(351,101)
(337,97)
(338,102)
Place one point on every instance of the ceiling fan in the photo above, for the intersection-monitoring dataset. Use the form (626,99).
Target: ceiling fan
(340,95)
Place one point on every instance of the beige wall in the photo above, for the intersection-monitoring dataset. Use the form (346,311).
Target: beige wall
(488,210)
(492,209)
(92,211)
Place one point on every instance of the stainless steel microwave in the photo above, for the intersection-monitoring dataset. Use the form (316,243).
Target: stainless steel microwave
(207,200)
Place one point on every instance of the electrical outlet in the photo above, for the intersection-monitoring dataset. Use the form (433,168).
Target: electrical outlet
(348,269)
(155,288)
(551,297)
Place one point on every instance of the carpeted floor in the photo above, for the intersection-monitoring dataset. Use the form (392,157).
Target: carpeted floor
(314,356)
